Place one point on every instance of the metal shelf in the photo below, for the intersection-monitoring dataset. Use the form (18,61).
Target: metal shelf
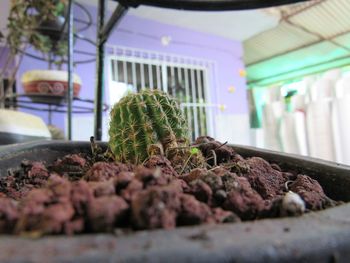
(50,104)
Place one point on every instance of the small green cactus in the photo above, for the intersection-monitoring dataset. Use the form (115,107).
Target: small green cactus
(146,123)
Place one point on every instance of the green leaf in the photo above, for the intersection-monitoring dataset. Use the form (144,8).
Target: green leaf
(194,151)
(59,9)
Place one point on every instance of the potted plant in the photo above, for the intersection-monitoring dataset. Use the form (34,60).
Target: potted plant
(49,84)
(41,24)
(149,177)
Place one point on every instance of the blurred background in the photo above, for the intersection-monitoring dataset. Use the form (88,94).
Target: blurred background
(274,78)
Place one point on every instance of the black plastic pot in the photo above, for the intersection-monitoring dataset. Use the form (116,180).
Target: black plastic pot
(54,29)
(315,237)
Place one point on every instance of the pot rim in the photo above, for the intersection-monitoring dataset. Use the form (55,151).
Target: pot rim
(48,75)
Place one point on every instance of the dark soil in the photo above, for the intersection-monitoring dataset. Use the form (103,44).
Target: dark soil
(86,194)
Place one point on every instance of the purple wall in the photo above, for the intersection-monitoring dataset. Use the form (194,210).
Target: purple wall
(146,34)
(4,59)
(226,53)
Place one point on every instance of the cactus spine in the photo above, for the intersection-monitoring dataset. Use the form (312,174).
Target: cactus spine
(140,122)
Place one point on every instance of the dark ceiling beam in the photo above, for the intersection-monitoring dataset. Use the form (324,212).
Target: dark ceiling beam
(119,12)
(301,10)
(209,5)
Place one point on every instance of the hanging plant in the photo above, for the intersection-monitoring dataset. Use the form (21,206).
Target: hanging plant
(41,24)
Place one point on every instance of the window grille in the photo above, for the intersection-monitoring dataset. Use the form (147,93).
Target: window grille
(183,78)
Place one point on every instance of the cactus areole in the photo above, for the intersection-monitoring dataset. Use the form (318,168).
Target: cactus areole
(146,123)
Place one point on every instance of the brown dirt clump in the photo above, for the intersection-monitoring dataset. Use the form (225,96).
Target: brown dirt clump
(163,164)
(133,188)
(81,196)
(223,216)
(200,190)
(193,175)
(20,181)
(267,181)
(59,187)
(156,207)
(222,153)
(71,165)
(102,171)
(241,198)
(40,214)
(311,192)
(105,188)
(106,212)
(8,215)
(122,180)
(193,212)
(154,176)
(211,179)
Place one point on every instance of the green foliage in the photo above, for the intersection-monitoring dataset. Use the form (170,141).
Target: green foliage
(24,20)
(143,122)
(194,151)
